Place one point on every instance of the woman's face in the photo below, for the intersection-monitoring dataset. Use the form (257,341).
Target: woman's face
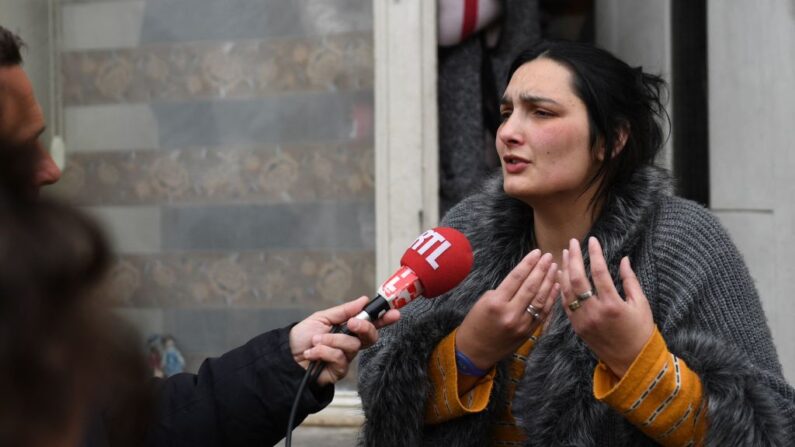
(543,141)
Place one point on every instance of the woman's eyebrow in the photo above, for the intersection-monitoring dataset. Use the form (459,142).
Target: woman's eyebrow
(528,99)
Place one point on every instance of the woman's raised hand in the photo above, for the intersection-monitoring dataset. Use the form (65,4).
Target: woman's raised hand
(504,318)
(615,330)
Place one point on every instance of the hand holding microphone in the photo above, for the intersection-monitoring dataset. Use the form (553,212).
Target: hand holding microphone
(310,339)
(435,262)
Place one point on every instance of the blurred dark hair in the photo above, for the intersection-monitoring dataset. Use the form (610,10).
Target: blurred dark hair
(62,354)
(618,98)
(10,46)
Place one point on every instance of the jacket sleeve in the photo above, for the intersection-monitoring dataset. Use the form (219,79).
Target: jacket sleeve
(659,394)
(717,325)
(242,398)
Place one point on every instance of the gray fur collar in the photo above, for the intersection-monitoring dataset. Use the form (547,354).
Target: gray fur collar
(561,411)
(500,227)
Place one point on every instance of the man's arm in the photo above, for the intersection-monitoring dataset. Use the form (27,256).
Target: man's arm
(244,397)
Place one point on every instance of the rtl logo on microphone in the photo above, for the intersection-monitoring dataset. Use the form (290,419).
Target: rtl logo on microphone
(401,288)
(428,240)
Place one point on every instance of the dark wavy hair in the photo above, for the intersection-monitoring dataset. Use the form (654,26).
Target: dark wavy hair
(10,48)
(618,98)
(61,351)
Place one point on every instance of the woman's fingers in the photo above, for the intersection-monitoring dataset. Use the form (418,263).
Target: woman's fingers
(577,277)
(531,286)
(632,288)
(547,284)
(600,273)
(542,301)
(563,279)
(517,276)
(554,294)
(551,295)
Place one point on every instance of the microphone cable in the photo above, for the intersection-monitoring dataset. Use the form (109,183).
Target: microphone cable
(311,375)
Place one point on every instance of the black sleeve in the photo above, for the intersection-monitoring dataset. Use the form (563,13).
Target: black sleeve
(242,398)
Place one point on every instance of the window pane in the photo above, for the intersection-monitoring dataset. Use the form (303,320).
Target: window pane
(228,146)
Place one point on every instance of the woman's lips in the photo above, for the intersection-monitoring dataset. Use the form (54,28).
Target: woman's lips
(514,164)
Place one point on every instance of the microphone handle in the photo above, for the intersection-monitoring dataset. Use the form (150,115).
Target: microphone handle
(374,310)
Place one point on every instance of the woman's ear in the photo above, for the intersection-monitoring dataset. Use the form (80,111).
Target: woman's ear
(622,135)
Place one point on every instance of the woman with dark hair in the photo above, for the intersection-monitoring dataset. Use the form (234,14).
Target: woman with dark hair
(672,349)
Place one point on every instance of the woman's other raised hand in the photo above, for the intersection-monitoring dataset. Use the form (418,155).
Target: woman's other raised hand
(614,329)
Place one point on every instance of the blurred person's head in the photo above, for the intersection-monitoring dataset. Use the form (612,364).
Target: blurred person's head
(62,354)
(21,117)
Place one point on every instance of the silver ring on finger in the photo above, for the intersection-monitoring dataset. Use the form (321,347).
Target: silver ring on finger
(533,311)
(585,295)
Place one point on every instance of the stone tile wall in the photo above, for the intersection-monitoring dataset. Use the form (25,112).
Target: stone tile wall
(228,148)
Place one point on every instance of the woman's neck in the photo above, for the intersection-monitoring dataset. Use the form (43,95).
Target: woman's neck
(556,222)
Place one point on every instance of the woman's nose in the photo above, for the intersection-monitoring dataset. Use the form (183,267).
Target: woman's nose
(508,134)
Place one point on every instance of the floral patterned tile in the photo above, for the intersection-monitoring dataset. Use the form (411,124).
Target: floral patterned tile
(286,279)
(236,69)
(208,176)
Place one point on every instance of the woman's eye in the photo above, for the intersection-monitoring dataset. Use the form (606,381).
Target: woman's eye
(543,113)
(505,114)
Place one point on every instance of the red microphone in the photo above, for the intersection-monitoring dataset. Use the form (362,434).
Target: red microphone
(436,261)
